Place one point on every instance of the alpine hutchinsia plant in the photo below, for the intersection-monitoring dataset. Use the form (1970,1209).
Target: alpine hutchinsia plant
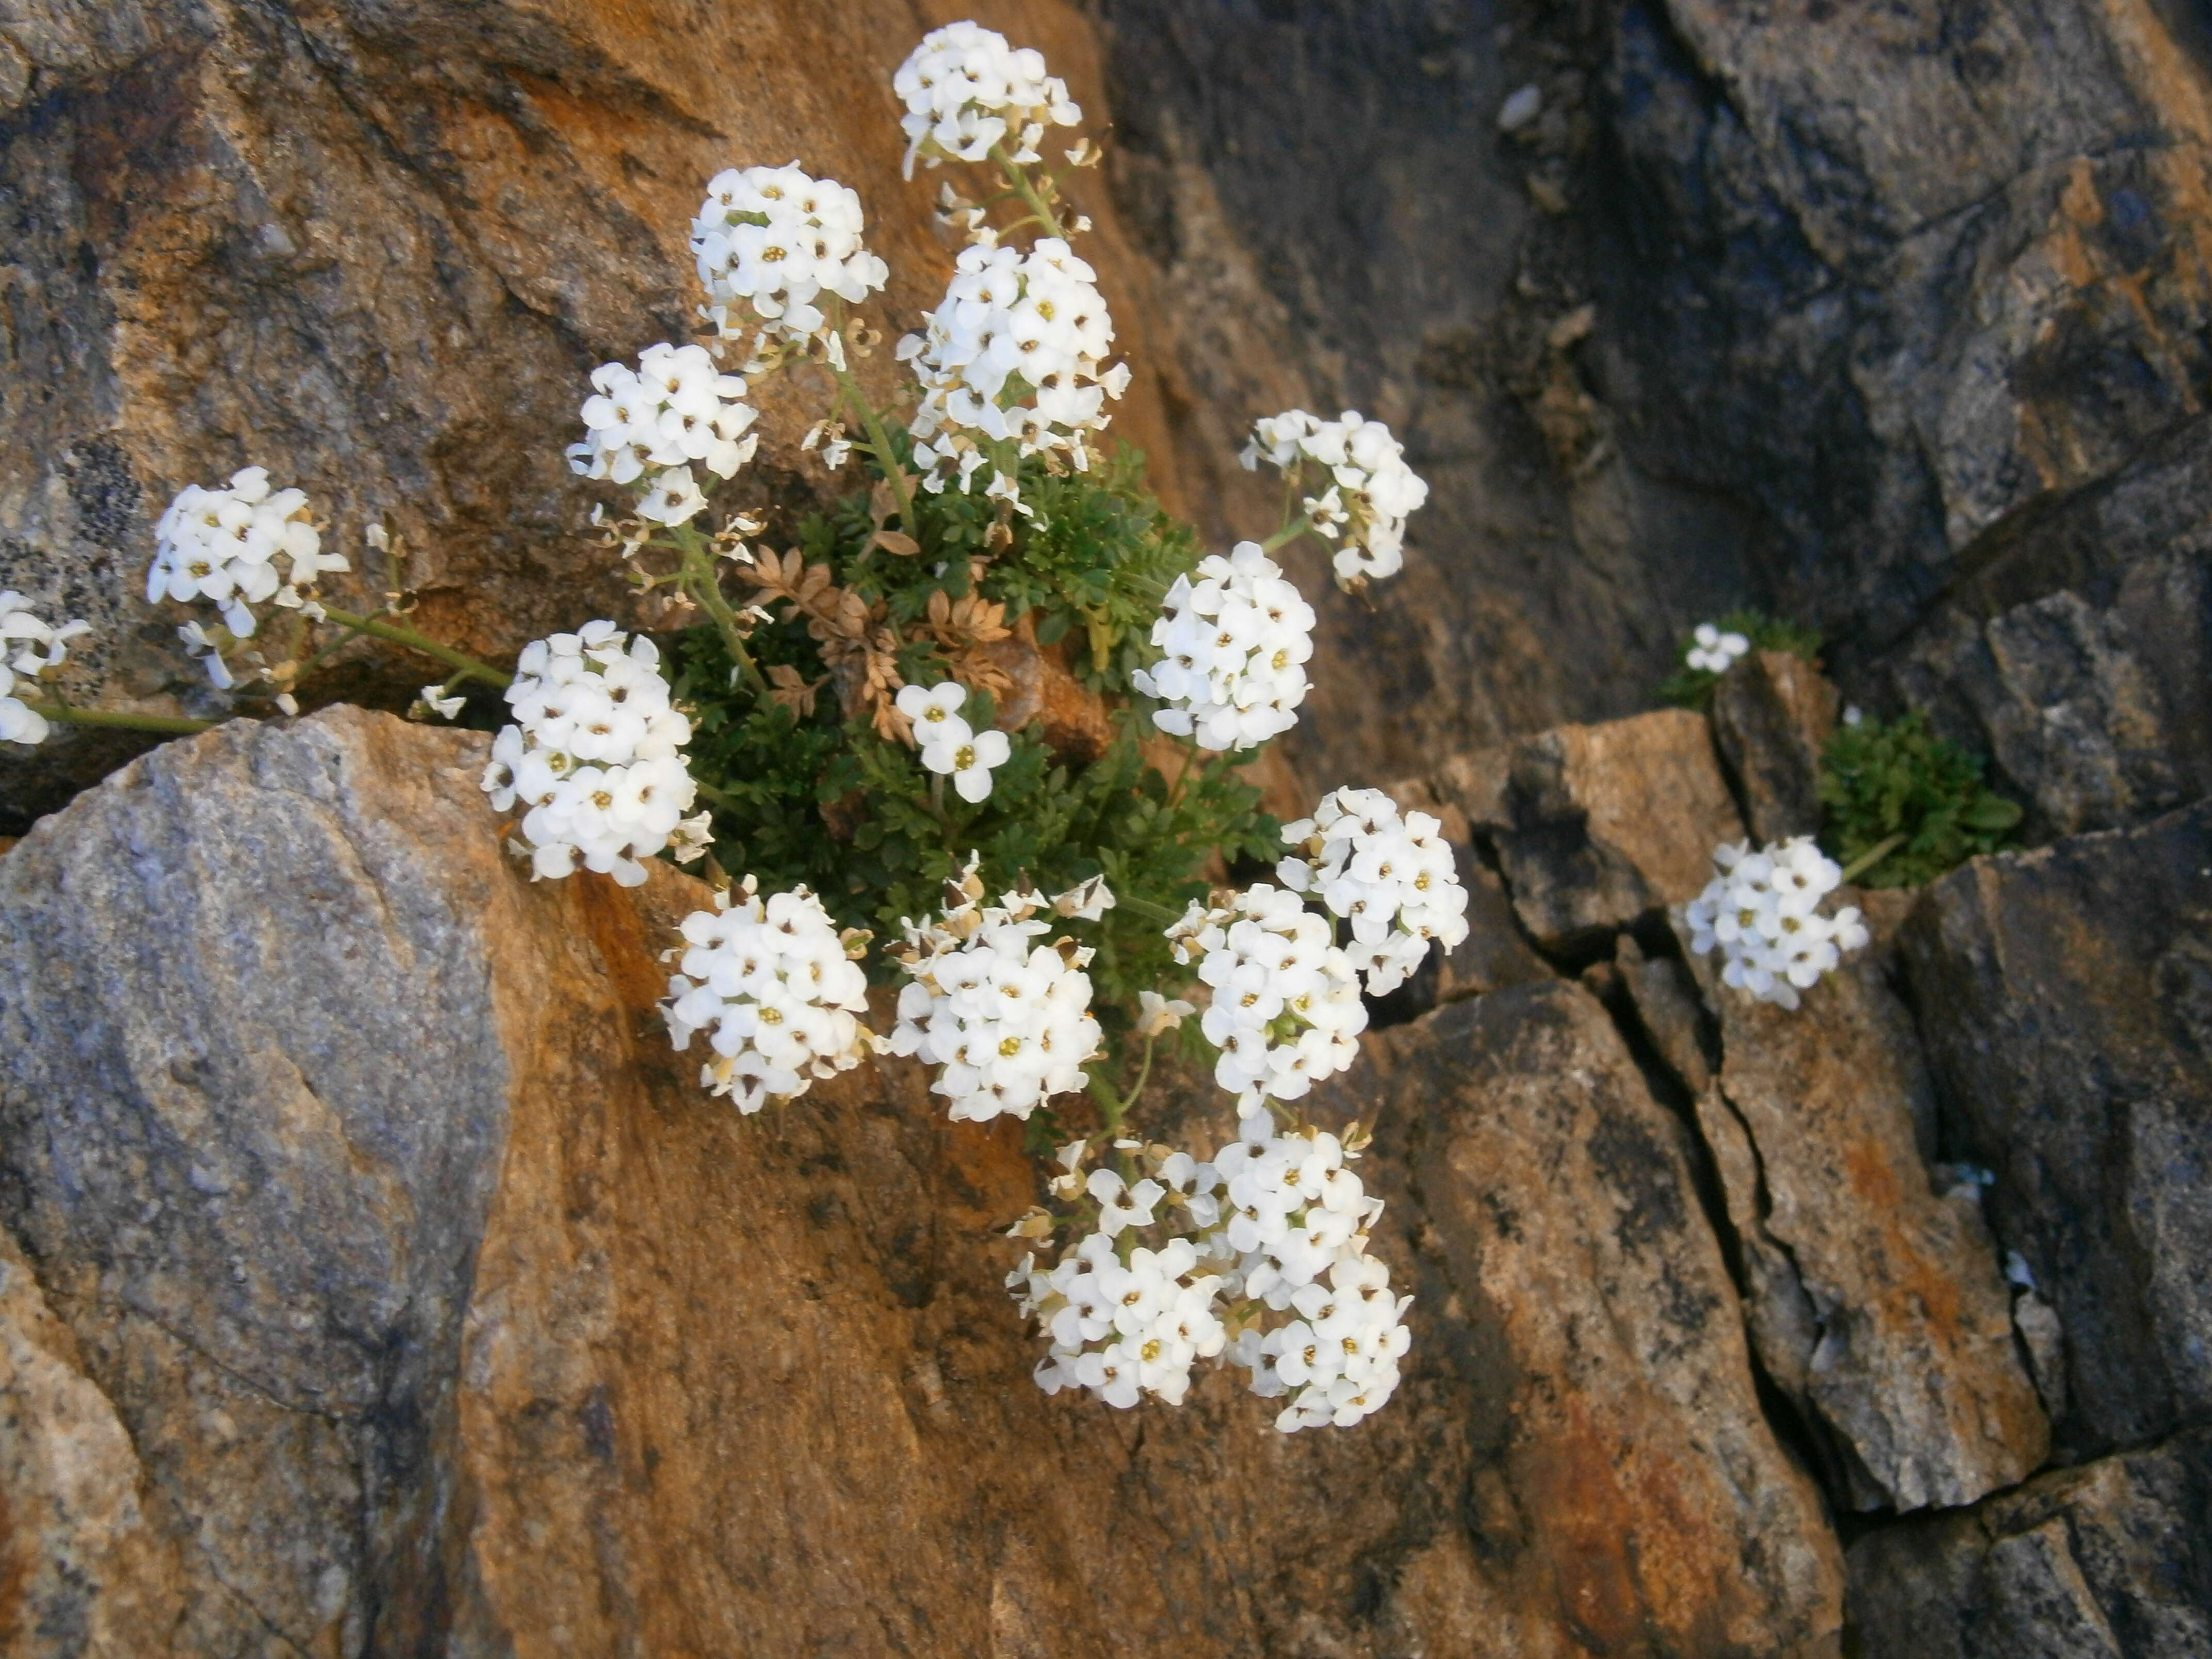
(991,707)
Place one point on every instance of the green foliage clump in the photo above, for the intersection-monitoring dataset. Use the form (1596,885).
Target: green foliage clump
(802,791)
(1896,784)
(1692,687)
(1092,560)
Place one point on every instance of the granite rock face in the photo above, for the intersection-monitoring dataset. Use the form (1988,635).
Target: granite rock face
(1772,713)
(2066,999)
(1880,1307)
(1596,826)
(2112,1559)
(377,1281)
(378,250)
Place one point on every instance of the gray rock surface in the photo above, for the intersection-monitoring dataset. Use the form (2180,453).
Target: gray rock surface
(2066,996)
(2094,715)
(1773,713)
(2113,1560)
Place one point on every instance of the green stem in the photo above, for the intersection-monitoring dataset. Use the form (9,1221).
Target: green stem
(879,437)
(1148,910)
(376,628)
(1874,855)
(704,584)
(174,725)
(1289,533)
(1143,1072)
(1017,177)
(1110,1108)
(335,645)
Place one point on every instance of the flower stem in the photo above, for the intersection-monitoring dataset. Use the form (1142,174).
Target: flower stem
(1143,1072)
(1017,177)
(174,725)
(1110,1108)
(1148,910)
(1289,533)
(377,628)
(1874,855)
(879,437)
(701,581)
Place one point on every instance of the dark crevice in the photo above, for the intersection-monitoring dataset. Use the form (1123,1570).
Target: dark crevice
(1803,1437)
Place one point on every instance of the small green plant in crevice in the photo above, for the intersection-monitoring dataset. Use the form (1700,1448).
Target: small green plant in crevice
(1711,649)
(1905,806)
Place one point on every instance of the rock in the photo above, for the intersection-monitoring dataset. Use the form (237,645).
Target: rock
(1907,279)
(1495,952)
(2094,716)
(1626,1474)
(2112,1559)
(253,1098)
(1596,825)
(379,253)
(1876,1302)
(2065,997)
(376,1280)
(1772,715)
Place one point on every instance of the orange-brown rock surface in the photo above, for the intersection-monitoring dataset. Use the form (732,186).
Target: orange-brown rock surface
(387,1283)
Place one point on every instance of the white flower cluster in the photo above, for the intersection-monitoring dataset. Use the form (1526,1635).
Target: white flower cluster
(1391,876)
(776,986)
(1015,354)
(1285,1009)
(1714,651)
(673,409)
(1233,647)
(778,240)
(28,647)
(1008,1019)
(1297,1216)
(593,755)
(1369,492)
(1276,1226)
(1763,911)
(948,746)
(1119,1328)
(965,89)
(223,544)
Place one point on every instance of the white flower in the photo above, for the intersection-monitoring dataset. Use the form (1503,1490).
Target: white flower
(1298,1220)
(222,545)
(1233,647)
(671,497)
(594,755)
(935,714)
(1014,356)
(437,702)
(776,240)
(29,647)
(1275,1228)
(969,759)
(1392,877)
(1007,1018)
(774,986)
(675,408)
(965,90)
(1714,651)
(1156,1014)
(1762,911)
(206,650)
(1285,1009)
(1366,492)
